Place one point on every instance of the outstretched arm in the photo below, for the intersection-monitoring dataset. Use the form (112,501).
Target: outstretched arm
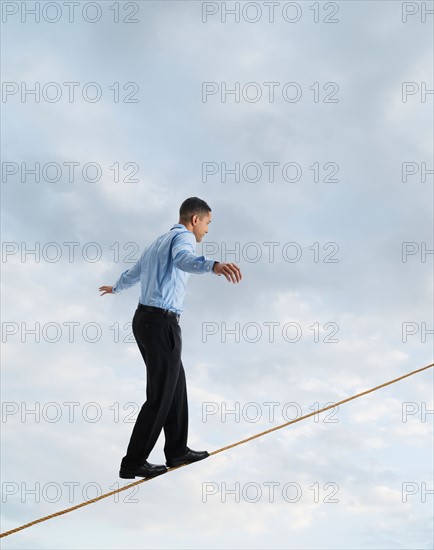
(185,259)
(129,278)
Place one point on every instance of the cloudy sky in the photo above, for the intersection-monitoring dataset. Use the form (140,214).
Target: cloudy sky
(306,126)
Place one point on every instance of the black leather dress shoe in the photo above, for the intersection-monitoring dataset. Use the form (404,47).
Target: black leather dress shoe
(145,470)
(186,458)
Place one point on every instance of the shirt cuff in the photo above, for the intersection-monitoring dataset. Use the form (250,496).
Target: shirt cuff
(201,265)
(209,264)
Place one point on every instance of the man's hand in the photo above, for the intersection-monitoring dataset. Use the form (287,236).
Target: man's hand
(105,290)
(230,271)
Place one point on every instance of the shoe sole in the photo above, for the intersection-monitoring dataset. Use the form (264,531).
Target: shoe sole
(175,463)
(127,475)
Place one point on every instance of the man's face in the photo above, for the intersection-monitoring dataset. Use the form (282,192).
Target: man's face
(200,226)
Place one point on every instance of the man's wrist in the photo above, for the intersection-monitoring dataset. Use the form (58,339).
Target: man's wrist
(214,266)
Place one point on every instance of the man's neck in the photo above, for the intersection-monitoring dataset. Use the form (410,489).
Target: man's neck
(189,227)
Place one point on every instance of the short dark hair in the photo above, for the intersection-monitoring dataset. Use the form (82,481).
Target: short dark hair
(192,206)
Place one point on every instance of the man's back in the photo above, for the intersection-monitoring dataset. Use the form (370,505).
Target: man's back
(162,284)
(164,268)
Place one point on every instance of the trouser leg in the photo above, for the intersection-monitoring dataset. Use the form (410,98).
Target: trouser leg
(159,341)
(176,425)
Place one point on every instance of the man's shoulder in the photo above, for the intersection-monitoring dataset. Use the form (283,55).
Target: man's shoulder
(174,231)
(179,229)
(177,234)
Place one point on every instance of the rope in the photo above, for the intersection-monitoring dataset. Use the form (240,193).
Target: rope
(261,434)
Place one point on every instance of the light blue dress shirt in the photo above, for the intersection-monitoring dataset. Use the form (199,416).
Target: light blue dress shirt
(163,269)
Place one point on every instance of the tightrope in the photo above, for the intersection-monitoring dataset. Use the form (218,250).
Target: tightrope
(261,434)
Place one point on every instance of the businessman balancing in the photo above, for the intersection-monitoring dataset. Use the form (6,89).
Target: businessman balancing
(163,270)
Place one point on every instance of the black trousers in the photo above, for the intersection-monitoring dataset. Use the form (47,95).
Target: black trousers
(159,340)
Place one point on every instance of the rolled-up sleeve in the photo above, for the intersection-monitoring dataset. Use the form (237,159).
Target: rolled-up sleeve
(184,257)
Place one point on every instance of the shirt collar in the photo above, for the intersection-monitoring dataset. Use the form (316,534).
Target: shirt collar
(178,225)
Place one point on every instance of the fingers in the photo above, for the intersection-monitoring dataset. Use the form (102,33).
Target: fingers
(232,273)
(105,290)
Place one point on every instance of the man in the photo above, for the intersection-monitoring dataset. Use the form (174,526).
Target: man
(163,270)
